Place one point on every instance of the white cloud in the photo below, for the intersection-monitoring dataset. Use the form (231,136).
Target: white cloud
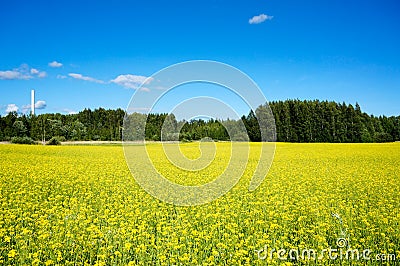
(144,89)
(55,64)
(25,108)
(42,74)
(23,72)
(38,105)
(61,76)
(132,81)
(138,109)
(13,74)
(69,111)
(23,68)
(34,71)
(39,74)
(86,78)
(11,108)
(260,19)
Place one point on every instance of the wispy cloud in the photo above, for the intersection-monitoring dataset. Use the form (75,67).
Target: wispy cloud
(61,76)
(12,107)
(138,109)
(133,81)
(260,19)
(38,105)
(23,72)
(34,71)
(42,74)
(69,111)
(86,78)
(13,74)
(39,74)
(55,64)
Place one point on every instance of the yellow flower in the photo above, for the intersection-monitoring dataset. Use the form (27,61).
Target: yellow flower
(48,262)
(81,204)
(36,261)
(12,254)
(128,246)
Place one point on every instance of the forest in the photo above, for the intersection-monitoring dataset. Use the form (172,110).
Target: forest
(295,120)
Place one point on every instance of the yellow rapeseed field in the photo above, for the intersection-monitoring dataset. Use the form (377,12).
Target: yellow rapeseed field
(80,205)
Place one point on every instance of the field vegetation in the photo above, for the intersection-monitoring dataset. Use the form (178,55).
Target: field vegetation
(80,205)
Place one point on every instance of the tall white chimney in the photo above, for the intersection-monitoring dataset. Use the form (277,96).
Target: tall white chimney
(32,102)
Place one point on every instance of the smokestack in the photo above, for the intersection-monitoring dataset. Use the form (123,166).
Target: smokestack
(32,102)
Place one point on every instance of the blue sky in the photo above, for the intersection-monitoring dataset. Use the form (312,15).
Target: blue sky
(90,54)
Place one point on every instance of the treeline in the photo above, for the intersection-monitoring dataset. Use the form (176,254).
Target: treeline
(295,120)
(99,124)
(323,121)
